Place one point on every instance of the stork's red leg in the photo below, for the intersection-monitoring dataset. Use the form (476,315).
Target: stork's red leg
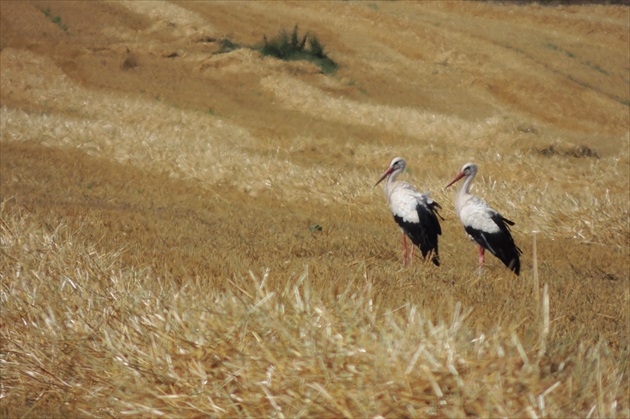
(411,254)
(481,258)
(404,240)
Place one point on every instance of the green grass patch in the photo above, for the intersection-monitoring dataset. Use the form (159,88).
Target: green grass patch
(55,19)
(286,46)
(293,47)
(555,47)
(227,46)
(508,46)
(596,67)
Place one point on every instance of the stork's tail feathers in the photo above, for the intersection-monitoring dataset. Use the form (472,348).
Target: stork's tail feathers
(434,206)
(435,258)
(507,222)
(430,253)
(514,263)
(434,229)
(506,249)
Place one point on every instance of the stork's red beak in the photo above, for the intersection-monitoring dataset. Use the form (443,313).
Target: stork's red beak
(458,177)
(387,173)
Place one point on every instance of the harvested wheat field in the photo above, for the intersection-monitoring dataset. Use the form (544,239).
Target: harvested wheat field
(189,227)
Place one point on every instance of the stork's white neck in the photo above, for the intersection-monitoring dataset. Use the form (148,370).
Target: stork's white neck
(465,187)
(390,184)
(464,191)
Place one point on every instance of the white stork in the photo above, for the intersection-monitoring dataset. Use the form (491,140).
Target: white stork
(489,229)
(415,213)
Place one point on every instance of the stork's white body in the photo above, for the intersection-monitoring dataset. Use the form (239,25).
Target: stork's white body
(414,212)
(475,213)
(404,200)
(485,226)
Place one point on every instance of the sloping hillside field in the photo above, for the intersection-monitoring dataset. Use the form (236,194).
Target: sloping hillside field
(189,227)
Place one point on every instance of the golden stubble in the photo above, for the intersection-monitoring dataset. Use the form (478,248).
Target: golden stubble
(203,229)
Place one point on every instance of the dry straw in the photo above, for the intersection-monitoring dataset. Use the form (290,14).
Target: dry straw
(112,340)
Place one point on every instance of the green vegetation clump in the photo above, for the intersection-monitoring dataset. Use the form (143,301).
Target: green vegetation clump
(287,47)
(55,19)
(227,46)
(292,47)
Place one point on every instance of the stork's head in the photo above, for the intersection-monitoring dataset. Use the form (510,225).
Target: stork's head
(395,167)
(469,169)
